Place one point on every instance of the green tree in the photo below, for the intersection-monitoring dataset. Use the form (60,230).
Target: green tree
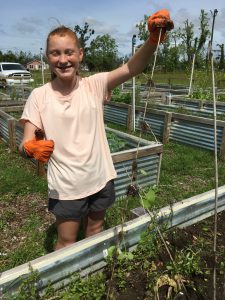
(142,29)
(201,41)
(191,44)
(9,56)
(186,34)
(204,30)
(18,56)
(84,34)
(221,65)
(169,58)
(24,57)
(102,55)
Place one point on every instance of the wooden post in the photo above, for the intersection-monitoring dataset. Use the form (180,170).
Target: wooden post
(222,147)
(129,118)
(159,168)
(167,126)
(41,169)
(168,99)
(12,134)
(200,104)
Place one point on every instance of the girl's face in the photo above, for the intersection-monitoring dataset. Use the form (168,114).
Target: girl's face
(64,56)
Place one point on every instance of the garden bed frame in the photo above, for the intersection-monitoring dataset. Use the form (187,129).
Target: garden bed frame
(170,126)
(88,255)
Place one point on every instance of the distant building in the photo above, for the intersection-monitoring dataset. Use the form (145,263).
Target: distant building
(36,65)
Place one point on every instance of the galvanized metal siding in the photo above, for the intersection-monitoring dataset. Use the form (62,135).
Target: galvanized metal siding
(19,134)
(150,164)
(132,143)
(156,122)
(4,132)
(195,134)
(185,103)
(219,108)
(194,111)
(206,106)
(116,115)
(88,255)
(163,85)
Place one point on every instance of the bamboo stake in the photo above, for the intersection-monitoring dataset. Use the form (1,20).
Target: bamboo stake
(216,160)
(191,79)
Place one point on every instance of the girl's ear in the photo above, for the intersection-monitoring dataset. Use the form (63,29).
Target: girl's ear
(81,54)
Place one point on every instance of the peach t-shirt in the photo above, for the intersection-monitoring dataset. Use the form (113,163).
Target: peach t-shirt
(81,163)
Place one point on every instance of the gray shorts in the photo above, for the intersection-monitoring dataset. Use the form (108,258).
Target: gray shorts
(76,209)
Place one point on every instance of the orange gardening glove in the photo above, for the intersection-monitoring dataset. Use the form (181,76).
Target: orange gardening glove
(41,150)
(160,19)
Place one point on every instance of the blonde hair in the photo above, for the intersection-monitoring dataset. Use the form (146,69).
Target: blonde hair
(61,31)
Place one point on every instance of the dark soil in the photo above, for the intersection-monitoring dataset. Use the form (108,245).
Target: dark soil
(195,271)
(14,233)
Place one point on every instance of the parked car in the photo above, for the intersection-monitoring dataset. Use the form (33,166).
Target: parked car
(14,74)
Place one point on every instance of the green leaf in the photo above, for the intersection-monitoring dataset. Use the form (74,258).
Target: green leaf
(111,251)
(130,256)
(143,172)
(149,199)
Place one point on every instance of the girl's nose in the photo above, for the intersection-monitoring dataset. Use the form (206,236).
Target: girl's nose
(63,59)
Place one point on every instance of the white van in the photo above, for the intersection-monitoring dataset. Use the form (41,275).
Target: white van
(13,74)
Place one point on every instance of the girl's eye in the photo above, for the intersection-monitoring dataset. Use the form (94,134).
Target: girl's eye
(69,52)
(54,53)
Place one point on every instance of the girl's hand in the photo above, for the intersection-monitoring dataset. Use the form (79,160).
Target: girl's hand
(159,20)
(41,150)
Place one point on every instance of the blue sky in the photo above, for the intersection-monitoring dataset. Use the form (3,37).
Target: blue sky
(24,24)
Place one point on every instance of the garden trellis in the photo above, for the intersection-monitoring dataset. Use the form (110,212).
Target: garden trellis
(215,155)
(147,126)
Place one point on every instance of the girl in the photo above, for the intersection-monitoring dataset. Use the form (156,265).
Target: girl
(69,110)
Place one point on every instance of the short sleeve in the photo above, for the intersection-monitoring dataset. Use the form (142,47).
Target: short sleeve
(99,83)
(31,111)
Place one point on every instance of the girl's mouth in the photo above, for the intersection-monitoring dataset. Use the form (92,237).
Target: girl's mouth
(64,67)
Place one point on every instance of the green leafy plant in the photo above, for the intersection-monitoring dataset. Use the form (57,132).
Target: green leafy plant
(148,197)
(116,144)
(89,288)
(201,93)
(125,96)
(28,289)
(119,265)
(186,262)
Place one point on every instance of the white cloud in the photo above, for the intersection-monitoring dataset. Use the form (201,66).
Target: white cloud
(28,25)
(157,5)
(33,20)
(101,27)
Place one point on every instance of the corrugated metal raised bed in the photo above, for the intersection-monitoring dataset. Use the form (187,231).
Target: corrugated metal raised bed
(186,129)
(148,155)
(164,87)
(88,255)
(153,117)
(196,131)
(148,159)
(198,103)
(117,114)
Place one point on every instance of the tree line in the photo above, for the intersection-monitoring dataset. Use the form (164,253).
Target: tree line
(176,53)
(183,43)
